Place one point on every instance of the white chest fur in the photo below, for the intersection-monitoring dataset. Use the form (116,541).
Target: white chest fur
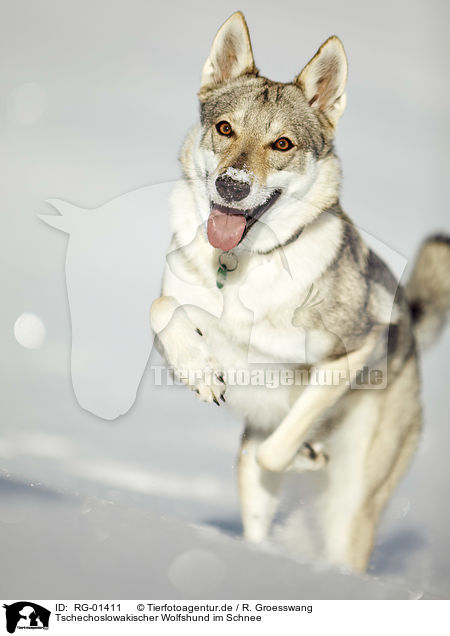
(251,319)
(249,323)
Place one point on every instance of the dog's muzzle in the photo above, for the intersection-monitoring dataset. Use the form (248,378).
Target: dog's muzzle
(230,189)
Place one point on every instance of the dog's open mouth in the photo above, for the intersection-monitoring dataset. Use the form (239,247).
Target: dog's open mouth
(228,226)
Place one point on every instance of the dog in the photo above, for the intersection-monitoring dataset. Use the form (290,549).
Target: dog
(265,272)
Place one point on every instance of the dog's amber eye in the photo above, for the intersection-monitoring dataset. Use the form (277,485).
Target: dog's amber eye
(224,128)
(283,143)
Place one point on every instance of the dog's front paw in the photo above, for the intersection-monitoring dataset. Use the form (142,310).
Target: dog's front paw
(186,350)
(193,365)
(269,459)
(309,457)
(210,386)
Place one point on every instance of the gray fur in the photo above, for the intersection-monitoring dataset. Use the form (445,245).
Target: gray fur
(428,290)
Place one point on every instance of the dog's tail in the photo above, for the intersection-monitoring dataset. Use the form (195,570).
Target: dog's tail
(428,289)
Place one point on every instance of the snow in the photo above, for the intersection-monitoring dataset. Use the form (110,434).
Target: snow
(130,552)
(108,510)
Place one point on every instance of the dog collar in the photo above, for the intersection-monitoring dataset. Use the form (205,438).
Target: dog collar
(228,262)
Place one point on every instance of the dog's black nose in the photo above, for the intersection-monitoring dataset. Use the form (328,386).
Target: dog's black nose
(230,189)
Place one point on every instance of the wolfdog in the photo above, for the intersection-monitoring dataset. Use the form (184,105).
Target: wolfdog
(266,272)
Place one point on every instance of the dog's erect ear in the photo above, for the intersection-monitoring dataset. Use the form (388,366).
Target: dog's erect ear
(324,78)
(231,53)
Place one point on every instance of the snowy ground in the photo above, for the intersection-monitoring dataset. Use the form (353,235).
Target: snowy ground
(73,548)
(96,509)
(146,506)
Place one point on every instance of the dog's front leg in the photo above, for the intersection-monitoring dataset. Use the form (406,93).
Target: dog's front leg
(186,351)
(280,448)
(258,489)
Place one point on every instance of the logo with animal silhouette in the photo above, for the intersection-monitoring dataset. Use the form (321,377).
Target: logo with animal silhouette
(26,615)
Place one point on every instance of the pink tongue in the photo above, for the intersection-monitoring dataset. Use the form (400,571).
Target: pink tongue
(225,230)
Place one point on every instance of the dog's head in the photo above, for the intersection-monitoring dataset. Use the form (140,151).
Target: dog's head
(261,143)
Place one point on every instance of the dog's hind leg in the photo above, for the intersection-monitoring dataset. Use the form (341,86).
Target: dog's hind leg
(258,489)
(369,453)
